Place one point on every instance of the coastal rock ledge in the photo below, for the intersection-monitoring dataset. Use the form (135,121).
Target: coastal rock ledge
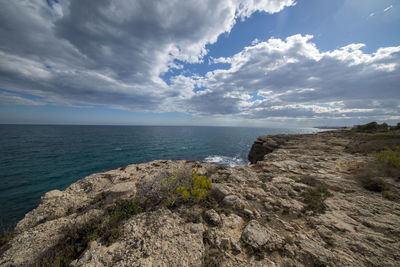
(297,204)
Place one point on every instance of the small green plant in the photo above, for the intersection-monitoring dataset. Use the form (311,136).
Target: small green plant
(308,180)
(372,183)
(288,240)
(7,234)
(123,210)
(318,263)
(5,237)
(213,258)
(314,198)
(389,195)
(71,247)
(265,178)
(106,230)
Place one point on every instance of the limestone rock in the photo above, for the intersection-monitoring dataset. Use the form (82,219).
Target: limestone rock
(258,236)
(264,145)
(232,221)
(358,228)
(219,191)
(233,201)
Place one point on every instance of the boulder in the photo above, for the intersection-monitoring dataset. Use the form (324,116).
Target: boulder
(233,201)
(258,236)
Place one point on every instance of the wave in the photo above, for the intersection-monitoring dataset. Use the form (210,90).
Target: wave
(229,162)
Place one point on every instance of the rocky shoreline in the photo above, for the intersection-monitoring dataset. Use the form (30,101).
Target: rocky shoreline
(297,204)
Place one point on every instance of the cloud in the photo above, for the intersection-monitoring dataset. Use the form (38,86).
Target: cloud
(255,41)
(114,53)
(14,99)
(111,52)
(388,8)
(303,82)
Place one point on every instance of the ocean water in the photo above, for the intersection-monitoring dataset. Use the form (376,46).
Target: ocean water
(35,159)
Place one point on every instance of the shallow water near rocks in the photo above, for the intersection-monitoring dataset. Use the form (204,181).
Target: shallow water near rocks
(39,158)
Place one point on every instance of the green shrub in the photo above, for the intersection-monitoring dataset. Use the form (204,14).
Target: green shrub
(314,198)
(71,247)
(288,240)
(389,195)
(213,258)
(123,210)
(5,237)
(372,127)
(180,187)
(308,180)
(371,183)
(106,230)
(389,157)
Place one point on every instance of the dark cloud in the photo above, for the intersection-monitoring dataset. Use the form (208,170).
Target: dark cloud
(114,53)
(111,52)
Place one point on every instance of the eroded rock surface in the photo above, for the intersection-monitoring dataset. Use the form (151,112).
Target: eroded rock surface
(257,217)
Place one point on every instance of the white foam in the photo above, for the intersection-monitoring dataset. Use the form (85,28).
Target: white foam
(230,162)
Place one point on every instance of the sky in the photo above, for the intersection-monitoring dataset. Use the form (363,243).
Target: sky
(256,63)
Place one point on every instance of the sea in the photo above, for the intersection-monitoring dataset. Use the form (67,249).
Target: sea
(35,159)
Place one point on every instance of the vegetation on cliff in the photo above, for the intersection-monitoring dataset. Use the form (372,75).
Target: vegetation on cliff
(381,143)
(182,186)
(374,127)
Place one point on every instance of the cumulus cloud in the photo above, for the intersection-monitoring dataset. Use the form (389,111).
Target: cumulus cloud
(114,53)
(303,82)
(111,52)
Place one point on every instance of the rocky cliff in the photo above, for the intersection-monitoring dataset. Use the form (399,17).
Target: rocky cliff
(298,204)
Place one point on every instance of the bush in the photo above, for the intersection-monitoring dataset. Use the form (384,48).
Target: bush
(372,143)
(314,198)
(309,180)
(180,187)
(389,157)
(213,258)
(123,210)
(5,237)
(107,229)
(372,127)
(373,184)
(389,195)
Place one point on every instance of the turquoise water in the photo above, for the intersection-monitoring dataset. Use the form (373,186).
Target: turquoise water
(37,158)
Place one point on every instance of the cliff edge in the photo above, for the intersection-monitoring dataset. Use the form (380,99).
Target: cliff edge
(299,203)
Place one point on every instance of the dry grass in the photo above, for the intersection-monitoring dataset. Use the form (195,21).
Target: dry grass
(373,177)
(371,143)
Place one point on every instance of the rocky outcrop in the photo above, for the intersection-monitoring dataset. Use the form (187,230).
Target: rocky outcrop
(265,145)
(258,215)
